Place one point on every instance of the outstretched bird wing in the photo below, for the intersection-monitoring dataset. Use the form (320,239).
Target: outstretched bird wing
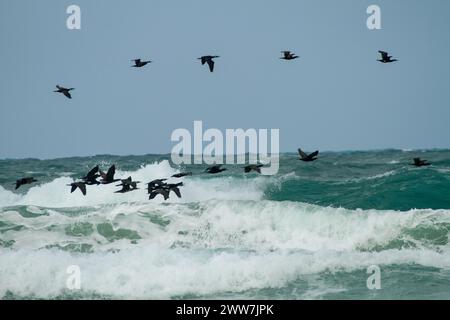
(210,64)
(314,154)
(177,192)
(302,154)
(82,187)
(92,172)
(111,172)
(384,55)
(67,94)
(165,194)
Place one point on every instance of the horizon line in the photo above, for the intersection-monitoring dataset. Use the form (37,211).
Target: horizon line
(223,155)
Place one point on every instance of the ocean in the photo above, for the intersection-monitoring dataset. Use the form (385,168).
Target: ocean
(313,231)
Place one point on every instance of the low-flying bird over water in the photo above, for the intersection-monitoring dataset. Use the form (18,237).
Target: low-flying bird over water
(308,157)
(165,190)
(385,57)
(155,184)
(64,91)
(127,185)
(420,163)
(253,167)
(108,177)
(160,190)
(182,174)
(138,63)
(174,187)
(209,61)
(287,55)
(91,177)
(22,181)
(215,169)
(80,185)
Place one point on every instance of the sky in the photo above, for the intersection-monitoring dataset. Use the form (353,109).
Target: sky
(336,96)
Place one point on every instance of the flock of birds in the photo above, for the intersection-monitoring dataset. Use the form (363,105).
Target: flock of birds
(287,55)
(160,186)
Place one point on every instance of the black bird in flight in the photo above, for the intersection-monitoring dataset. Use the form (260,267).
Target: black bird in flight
(209,61)
(91,177)
(80,185)
(215,169)
(22,181)
(160,190)
(64,91)
(138,63)
(385,57)
(127,185)
(182,174)
(108,177)
(287,55)
(254,167)
(165,190)
(308,157)
(155,184)
(420,163)
(174,187)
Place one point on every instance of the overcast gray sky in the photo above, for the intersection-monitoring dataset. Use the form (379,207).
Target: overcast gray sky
(335,97)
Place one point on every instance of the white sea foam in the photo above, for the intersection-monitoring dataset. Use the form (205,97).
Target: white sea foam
(153,272)
(229,224)
(221,236)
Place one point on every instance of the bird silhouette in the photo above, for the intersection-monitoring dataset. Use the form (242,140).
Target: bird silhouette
(420,163)
(209,61)
(385,57)
(307,157)
(215,169)
(138,63)
(287,55)
(64,91)
(81,185)
(22,181)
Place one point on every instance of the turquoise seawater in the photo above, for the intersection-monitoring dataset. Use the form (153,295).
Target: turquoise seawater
(309,232)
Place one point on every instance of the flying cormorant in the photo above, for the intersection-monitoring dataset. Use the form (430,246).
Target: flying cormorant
(91,177)
(215,169)
(139,64)
(182,174)
(108,177)
(209,61)
(64,91)
(287,55)
(22,181)
(385,57)
(254,167)
(420,163)
(307,157)
(80,185)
